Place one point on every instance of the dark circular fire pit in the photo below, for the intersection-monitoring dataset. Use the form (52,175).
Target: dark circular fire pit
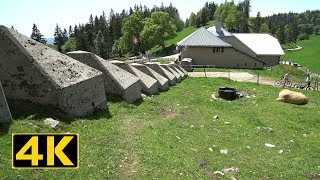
(228,93)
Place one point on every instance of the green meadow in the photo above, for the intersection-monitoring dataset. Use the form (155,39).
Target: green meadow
(308,56)
(173,135)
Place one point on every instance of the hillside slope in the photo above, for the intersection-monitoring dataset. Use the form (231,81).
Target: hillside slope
(308,56)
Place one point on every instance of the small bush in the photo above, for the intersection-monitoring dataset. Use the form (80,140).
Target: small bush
(303,36)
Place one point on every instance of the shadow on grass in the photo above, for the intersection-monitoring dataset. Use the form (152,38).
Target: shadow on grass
(117,99)
(4,128)
(21,109)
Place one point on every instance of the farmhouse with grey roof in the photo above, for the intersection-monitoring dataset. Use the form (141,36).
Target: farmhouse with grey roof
(204,48)
(217,47)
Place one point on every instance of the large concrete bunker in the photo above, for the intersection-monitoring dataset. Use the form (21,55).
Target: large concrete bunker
(32,71)
(117,80)
(5,115)
(149,85)
(163,83)
(156,67)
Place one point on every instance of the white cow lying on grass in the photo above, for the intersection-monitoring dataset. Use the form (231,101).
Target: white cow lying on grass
(292,97)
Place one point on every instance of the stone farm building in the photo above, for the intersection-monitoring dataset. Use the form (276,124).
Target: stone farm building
(217,47)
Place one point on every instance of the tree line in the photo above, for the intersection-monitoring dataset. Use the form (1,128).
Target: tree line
(114,36)
(287,27)
(140,28)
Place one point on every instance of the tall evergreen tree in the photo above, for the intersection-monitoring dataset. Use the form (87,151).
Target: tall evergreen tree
(212,8)
(281,35)
(101,45)
(257,23)
(245,8)
(36,35)
(70,31)
(58,38)
(292,29)
(65,36)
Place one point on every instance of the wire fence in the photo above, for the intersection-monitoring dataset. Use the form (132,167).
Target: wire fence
(212,71)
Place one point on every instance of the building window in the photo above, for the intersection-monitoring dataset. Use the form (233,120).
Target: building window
(218,50)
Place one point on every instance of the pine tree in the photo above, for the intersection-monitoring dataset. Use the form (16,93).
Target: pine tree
(65,36)
(281,35)
(70,31)
(36,35)
(292,29)
(58,38)
(257,23)
(100,45)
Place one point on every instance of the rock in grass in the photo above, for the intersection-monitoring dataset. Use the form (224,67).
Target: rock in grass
(224,151)
(30,117)
(231,170)
(219,172)
(215,117)
(269,145)
(51,122)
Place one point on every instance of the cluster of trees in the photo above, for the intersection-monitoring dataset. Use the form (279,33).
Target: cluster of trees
(235,17)
(288,27)
(113,36)
(140,28)
(147,32)
(203,16)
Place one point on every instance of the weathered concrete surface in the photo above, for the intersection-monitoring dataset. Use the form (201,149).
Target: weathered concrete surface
(149,85)
(5,115)
(163,83)
(32,71)
(181,69)
(156,67)
(182,75)
(116,80)
(177,75)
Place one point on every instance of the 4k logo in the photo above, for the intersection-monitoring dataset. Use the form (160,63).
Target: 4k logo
(45,151)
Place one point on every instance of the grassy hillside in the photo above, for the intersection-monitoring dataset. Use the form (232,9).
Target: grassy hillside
(184,33)
(173,135)
(308,56)
(181,35)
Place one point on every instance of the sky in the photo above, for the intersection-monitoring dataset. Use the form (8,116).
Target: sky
(21,14)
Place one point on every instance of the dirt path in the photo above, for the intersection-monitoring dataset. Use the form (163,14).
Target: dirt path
(297,48)
(235,76)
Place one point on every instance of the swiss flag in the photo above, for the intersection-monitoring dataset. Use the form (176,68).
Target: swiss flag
(135,40)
